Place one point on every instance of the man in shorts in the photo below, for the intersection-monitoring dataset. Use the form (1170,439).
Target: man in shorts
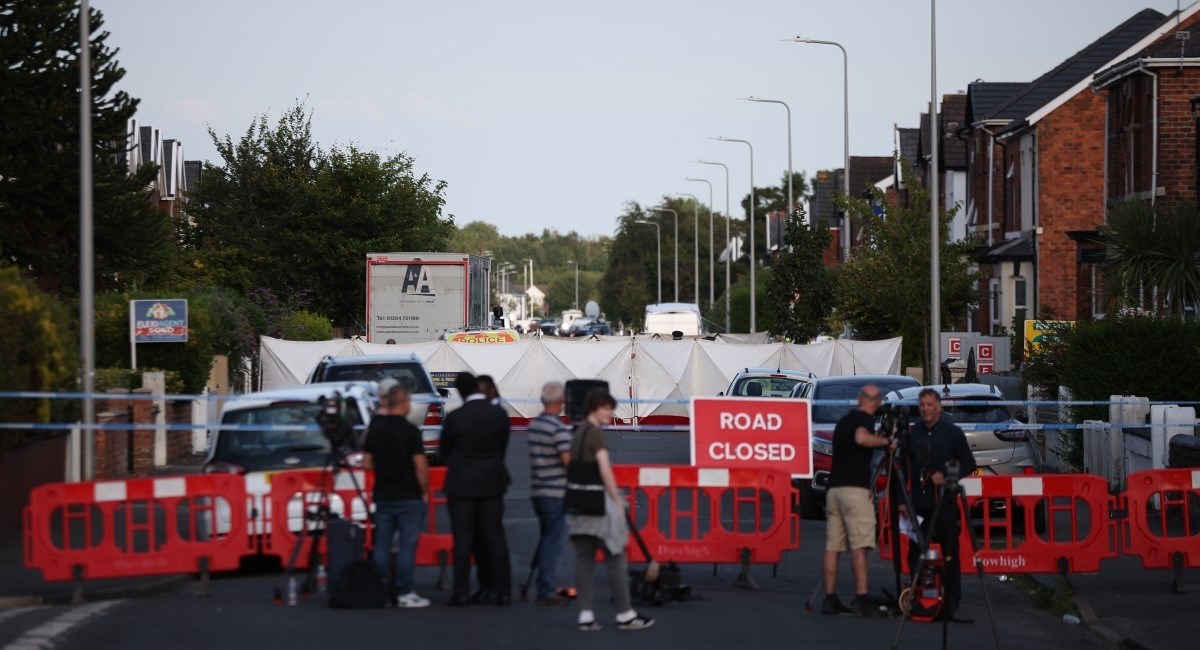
(849,505)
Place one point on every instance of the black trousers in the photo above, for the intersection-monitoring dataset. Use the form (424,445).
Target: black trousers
(472,519)
(945,533)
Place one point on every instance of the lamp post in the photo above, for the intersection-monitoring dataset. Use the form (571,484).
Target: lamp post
(935,221)
(845,134)
(87,271)
(696,220)
(676,215)
(790,203)
(576,281)
(753,259)
(658,243)
(529,286)
(728,254)
(712,297)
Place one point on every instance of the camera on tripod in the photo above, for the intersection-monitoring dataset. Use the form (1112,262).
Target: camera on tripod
(893,421)
(334,421)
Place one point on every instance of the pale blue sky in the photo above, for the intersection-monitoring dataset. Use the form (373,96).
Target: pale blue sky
(552,114)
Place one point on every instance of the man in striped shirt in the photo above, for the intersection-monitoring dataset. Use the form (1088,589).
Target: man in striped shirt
(549,454)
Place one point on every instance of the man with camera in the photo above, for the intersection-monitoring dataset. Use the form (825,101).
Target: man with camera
(935,444)
(849,504)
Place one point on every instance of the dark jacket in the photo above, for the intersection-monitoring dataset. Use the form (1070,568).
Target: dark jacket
(473,444)
(946,441)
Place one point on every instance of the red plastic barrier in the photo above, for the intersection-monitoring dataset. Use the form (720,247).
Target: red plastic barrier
(1162,518)
(699,515)
(1029,524)
(136,527)
(286,514)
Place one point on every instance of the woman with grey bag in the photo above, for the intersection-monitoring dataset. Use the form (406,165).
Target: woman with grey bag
(596,516)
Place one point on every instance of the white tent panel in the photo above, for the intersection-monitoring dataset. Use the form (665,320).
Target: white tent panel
(816,358)
(868,357)
(288,363)
(525,379)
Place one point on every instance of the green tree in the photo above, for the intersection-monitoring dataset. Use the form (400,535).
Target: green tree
(39,155)
(306,326)
(884,290)
(630,280)
(801,289)
(280,213)
(1152,249)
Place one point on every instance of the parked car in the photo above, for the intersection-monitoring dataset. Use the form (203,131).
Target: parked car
(427,402)
(825,418)
(770,382)
(258,453)
(583,327)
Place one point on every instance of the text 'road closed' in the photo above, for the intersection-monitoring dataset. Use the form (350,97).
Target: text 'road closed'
(752,433)
(773,451)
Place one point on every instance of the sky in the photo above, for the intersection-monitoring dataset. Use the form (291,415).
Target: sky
(545,114)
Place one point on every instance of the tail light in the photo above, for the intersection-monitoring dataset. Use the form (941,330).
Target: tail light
(433,415)
(1030,471)
(221,467)
(1012,435)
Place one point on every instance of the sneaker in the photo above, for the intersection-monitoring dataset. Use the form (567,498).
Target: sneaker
(412,600)
(589,626)
(832,605)
(638,622)
(865,606)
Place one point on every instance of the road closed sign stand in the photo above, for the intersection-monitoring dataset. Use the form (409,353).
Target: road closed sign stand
(738,432)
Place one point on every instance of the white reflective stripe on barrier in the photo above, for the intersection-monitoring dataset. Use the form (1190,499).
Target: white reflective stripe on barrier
(344,482)
(712,477)
(972,486)
(1027,486)
(165,488)
(109,491)
(654,476)
(1196,480)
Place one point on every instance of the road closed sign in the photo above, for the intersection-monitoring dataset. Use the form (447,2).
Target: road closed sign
(746,432)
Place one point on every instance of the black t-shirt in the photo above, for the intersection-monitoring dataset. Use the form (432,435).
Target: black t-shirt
(851,462)
(392,442)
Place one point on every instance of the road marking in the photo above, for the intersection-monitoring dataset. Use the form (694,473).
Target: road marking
(15,612)
(46,634)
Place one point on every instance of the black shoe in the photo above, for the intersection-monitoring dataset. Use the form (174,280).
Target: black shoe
(832,605)
(483,597)
(638,622)
(864,605)
(457,601)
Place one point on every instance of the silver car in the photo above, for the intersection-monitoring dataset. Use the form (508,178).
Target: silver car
(771,382)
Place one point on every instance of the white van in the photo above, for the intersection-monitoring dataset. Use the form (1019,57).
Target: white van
(665,318)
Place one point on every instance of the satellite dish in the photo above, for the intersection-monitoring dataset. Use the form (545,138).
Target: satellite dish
(592,310)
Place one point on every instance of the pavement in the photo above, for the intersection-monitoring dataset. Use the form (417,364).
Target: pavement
(1124,606)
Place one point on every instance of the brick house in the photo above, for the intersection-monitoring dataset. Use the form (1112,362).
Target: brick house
(1151,135)
(1046,146)
(169,188)
(865,172)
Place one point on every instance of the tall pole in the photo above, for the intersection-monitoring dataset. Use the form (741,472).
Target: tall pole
(658,245)
(935,221)
(576,281)
(728,253)
(676,215)
(753,258)
(696,256)
(791,204)
(712,296)
(845,135)
(87,274)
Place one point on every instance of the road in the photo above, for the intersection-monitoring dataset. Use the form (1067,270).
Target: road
(241,612)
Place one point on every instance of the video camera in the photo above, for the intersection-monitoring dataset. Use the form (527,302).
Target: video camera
(335,424)
(893,421)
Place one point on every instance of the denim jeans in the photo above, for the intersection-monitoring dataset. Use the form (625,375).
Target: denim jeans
(552,523)
(403,519)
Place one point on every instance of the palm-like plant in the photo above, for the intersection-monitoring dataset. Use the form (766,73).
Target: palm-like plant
(1153,250)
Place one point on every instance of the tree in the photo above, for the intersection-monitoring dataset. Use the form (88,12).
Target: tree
(801,289)
(281,213)
(884,290)
(39,155)
(1152,249)
(630,280)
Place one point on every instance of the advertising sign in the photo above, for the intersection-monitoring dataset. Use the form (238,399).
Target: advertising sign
(415,301)
(739,432)
(955,347)
(985,368)
(1039,331)
(158,321)
(985,352)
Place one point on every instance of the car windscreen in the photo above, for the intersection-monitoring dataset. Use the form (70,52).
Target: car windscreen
(234,444)
(981,414)
(409,374)
(830,413)
(764,386)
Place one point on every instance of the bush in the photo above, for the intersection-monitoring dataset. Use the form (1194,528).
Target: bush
(305,326)
(192,360)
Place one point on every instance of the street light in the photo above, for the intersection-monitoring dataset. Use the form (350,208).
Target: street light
(712,297)
(529,294)
(576,281)
(676,215)
(696,219)
(790,204)
(753,260)
(658,243)
(845,134)
(728,254)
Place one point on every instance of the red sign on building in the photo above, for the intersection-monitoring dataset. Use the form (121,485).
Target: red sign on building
(985,352)
(955,347)
(746,432)
(986,368)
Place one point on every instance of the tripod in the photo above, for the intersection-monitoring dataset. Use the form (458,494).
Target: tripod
(952,493)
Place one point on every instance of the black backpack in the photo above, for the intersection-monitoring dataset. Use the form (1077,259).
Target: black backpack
(361,586)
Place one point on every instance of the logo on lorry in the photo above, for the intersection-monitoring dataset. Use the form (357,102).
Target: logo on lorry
(416,277)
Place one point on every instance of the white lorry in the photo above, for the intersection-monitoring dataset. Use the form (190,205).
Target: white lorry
(669,317)
(419,297)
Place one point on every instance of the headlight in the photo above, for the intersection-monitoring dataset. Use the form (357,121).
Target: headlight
(822,447)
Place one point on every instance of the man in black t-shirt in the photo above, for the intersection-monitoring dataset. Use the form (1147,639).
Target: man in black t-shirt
(395,451)
(850,523)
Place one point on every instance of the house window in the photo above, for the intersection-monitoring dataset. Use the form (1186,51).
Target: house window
(1099,304)
(1019,293)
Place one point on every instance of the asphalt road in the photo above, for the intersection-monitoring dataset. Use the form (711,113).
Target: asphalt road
(241,612)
